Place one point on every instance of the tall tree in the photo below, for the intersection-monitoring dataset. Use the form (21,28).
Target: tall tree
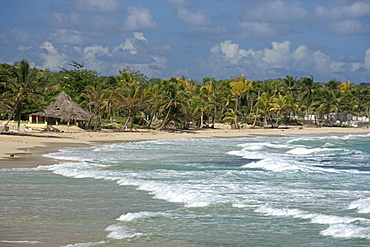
(131,96)
(238,87)
(95,99)
(76,80)
(21,85)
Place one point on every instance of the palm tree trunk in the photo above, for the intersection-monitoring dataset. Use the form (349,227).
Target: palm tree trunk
(11,115)
(165,119)
(201,119)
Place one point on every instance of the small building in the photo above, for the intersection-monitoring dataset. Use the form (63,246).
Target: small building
(63,110)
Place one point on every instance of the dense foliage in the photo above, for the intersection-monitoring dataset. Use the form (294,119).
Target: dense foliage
(131,99)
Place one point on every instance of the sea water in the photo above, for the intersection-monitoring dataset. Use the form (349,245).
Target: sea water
(306,190)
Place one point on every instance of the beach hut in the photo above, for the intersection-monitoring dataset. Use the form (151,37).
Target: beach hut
(63,110)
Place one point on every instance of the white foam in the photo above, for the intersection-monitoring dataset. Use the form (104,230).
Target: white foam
(77,170)
(347,231)
(85,244)
(20,242)
(121,232)
(272,164)
(331,219)
(134,216)
(265,209)
(362,205)
(264,145)
(315,218)
(339,226)
(174,193)
(303,151)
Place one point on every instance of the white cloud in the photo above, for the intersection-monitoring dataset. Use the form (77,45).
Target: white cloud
(24,48)
(356,66)
(152,69)
(66,36)
(138,19)
(130,44)
(67,19)
(91,52)
(336,66)
(367,60)
(356,10)
(230,51)
(98,5)
(277,11)
(348,27)
(180,2)
(279,55)
(127,45)
(228,58)
(48,47)
(257,29)
(139,36)
(197,18)
(19,35)
(51,59)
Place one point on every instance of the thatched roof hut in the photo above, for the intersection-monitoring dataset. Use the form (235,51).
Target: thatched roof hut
(62,110)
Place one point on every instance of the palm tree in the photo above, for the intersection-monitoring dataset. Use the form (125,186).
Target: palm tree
(155,99)
(279,105)
(218,97)
(109,108)
(173,98)
(327,104)
(21,85)
(131,97)
(307,91)
(95,101)
(264,105)
(290,83)
(363,97)
(238,87)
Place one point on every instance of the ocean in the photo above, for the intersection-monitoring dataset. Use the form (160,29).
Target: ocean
(292,190)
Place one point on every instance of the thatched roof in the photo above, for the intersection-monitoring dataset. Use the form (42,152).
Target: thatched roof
(64,108)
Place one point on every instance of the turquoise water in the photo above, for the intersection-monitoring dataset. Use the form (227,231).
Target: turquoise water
(261,191)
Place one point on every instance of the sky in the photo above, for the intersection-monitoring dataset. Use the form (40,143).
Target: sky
(260,39)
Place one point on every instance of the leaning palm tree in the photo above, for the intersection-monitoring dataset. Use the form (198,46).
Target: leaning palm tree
(21,84)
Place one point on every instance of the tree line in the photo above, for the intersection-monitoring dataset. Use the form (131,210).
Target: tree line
(133,100)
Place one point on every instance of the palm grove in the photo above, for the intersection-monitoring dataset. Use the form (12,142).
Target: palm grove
(132,100)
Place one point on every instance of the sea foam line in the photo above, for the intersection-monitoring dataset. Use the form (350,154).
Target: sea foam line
(87,244)
(121,232)
(362,205)
(339,226)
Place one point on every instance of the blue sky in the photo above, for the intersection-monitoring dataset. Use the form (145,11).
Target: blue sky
(193,38)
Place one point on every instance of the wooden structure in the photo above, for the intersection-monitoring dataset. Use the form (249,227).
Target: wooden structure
(63,110)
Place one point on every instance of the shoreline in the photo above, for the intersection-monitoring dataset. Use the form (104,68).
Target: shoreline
(17,150)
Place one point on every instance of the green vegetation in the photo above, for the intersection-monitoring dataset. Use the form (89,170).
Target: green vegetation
(131,100)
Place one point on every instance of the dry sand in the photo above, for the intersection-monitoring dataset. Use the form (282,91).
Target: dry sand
(26,150)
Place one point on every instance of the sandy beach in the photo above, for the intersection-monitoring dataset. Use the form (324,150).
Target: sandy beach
(26,149)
